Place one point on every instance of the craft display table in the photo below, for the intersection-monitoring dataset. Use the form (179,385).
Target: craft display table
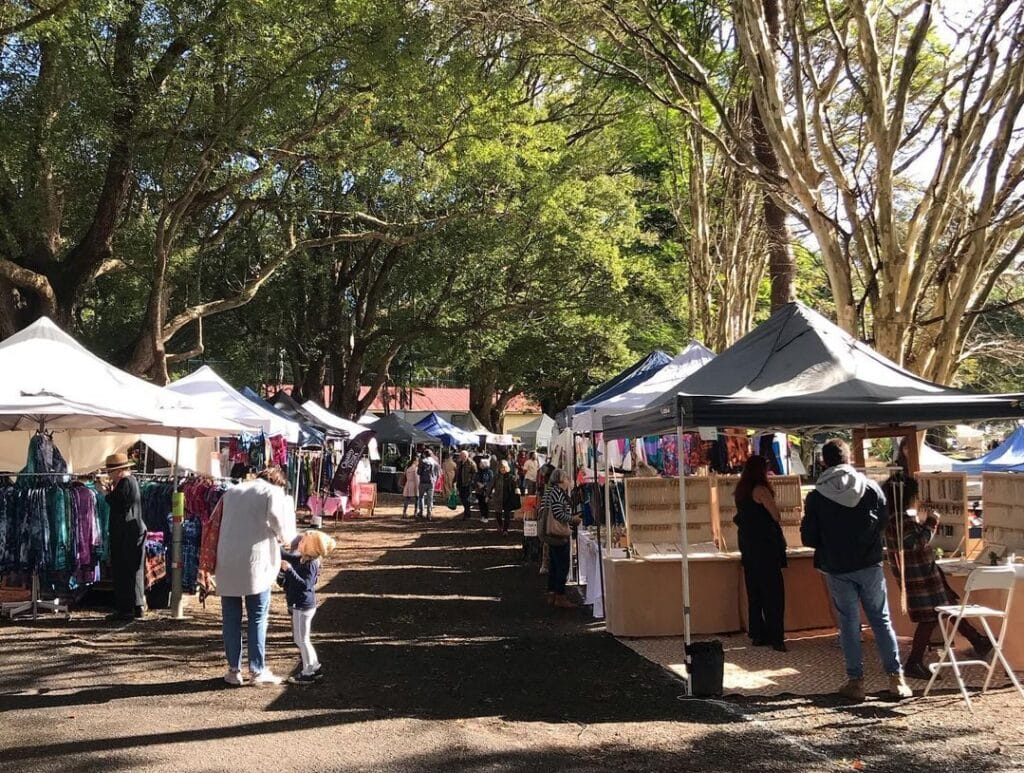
(644,597)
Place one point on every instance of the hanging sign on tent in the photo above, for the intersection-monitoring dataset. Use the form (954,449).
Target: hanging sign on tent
(354,449)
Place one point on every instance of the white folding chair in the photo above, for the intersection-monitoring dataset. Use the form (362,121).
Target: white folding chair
(985,578)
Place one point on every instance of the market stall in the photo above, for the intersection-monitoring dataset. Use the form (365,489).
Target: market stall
(398,439)
(797,371)
(56,384)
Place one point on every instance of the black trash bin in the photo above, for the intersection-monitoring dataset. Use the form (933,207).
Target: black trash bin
(707,668)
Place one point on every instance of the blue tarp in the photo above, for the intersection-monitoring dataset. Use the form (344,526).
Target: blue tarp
(1003,458)
(636,373)
(436,426)
(308,436)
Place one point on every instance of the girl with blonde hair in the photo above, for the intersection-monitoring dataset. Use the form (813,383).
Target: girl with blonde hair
(301,567)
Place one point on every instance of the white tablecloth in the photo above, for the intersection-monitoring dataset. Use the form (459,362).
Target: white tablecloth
(590,572)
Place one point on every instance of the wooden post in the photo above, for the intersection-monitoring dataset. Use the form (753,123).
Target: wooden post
(859,436)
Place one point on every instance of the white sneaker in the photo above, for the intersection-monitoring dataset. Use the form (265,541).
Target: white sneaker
(266,677)
(234,678)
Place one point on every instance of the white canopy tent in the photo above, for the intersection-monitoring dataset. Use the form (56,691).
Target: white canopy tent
(694,357)
(54,381)
(209,390)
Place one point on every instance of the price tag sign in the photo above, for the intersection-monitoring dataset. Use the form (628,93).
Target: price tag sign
(529,528)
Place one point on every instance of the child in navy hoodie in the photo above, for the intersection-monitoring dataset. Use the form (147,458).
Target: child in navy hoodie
(301,567)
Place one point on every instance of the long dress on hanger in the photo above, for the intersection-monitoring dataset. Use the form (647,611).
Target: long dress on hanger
(127,554)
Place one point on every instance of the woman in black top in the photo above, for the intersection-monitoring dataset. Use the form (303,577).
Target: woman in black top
(763,551)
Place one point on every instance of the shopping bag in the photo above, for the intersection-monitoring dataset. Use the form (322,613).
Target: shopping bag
(453,500)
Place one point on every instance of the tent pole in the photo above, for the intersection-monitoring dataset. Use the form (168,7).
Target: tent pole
(177,520)
(684,565)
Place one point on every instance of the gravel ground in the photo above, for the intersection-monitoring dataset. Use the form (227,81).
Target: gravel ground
(441,655)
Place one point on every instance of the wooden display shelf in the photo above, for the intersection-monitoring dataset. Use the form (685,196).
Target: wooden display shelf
(652,510)
(946,494)
(1003,498)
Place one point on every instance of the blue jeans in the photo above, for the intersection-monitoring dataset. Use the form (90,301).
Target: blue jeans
(850,591)
(257,611)
(558,568)
(425,501)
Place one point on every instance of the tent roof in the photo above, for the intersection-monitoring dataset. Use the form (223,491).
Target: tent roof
(470,423)
(331,420)
(797,370)
(542,428)
(436,426)
(1004,457)
(285,403)
(394,429)
(209,389)
(636,373)
(643,393)
(934,461)
(309,435)
(50,377)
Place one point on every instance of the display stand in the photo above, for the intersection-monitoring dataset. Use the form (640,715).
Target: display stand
(652,515)
(946,494)
(33,604)
(725,530)
(1003,494)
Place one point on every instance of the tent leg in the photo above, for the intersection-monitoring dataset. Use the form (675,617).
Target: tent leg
(684,567)
(177,522)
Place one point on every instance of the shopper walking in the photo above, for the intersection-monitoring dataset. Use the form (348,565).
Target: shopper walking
(465,476)
(427,472)
(482,485)
(763,553)
(448,468)
(926,588)
(410,487)
(559,505)
(301,568)
(127,539)
(530,469)
(503,496)
(844,521)
(252,528)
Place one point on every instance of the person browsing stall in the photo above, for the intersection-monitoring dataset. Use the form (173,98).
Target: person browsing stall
(908,541)
(127,539)
(763,553)
(844,521)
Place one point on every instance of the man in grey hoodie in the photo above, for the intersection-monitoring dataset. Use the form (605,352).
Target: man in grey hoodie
(844,521)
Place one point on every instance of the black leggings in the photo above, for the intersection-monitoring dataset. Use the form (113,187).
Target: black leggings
(482,501)
(766,602)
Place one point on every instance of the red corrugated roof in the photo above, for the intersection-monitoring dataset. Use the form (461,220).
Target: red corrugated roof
(448,399)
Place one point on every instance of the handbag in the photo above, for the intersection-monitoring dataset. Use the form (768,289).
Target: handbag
(556,529)
(453,500)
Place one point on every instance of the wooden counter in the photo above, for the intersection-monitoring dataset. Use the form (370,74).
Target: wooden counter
(644,598)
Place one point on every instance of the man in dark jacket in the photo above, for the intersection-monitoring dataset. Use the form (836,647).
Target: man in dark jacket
(844,521)
(127,539)
(465,475)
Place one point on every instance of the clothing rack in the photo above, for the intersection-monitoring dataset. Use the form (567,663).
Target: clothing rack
(34,603)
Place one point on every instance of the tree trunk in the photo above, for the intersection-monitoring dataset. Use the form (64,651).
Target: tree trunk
(781,266)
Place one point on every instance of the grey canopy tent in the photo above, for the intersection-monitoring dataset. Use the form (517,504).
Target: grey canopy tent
(394,429)
(799,370)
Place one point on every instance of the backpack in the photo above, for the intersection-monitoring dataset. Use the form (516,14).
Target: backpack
(425,472)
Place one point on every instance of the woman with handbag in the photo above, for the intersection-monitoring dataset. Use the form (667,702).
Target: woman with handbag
(559,520)
(504,496)
(482,483)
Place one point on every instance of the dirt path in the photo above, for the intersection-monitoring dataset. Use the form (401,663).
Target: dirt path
(441,656)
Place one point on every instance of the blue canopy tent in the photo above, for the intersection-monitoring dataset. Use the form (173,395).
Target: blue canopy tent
(637,373)
(1006,457)
(308,436)
(438,427)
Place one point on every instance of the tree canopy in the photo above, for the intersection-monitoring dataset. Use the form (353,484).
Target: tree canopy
(517,196)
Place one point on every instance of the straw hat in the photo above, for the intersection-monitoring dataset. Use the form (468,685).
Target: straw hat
(118,462)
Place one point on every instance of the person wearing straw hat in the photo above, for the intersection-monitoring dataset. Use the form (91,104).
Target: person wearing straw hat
(127,539)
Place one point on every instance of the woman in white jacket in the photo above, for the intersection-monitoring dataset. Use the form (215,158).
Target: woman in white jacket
(255,522)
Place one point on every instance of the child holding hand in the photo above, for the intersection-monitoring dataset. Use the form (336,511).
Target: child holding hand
(301,567)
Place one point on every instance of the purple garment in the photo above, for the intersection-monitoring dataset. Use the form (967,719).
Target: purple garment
(83,504)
